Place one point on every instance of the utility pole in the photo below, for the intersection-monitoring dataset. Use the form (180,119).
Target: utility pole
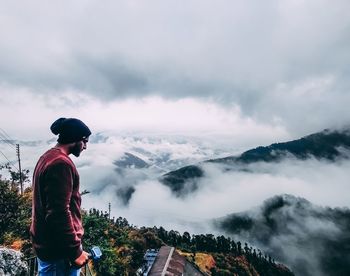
(109,210)
(20,169)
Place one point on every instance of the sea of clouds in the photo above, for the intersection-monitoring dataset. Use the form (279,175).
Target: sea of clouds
(220,191)
(139,196)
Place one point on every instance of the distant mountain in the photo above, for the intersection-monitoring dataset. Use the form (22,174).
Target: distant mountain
(322,145)
(125,194)
(129,160)
(325,145)
(98,138)
(312,240)
(183,180)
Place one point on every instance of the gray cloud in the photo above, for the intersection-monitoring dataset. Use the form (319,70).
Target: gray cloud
(286,61)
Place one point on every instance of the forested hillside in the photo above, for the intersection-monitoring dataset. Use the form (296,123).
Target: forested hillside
(124,245)
(326,145)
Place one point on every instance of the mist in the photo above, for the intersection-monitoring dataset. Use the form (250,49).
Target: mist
(310,239)
(137,194)
(219,193)
(303,236)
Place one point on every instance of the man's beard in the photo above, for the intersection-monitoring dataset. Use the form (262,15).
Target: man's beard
(76,149)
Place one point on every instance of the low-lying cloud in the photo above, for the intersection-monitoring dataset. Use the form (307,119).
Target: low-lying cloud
(300,237)
(222,192)
(136,194)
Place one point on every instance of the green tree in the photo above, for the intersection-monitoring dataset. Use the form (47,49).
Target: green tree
(15,212)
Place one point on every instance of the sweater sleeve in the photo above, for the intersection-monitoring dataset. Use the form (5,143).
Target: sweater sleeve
(58,192)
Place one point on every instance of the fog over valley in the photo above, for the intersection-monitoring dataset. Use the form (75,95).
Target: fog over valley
(126,171)
(283,207)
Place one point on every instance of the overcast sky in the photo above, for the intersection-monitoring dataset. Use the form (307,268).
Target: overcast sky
(254,67)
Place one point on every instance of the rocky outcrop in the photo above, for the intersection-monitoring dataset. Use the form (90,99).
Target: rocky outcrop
(12,263)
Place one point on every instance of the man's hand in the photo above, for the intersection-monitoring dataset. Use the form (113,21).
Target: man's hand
(82,259)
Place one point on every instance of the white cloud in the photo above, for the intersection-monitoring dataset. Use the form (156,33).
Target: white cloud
(26,115)
(222,193)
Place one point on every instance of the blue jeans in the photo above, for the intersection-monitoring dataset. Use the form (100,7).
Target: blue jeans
(56,268)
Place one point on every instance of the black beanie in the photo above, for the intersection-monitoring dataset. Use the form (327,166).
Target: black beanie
(70,130)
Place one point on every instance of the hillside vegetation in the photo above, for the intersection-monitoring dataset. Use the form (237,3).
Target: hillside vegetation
(124,245)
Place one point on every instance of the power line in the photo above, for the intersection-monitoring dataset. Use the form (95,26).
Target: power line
(6,138)
(3,164)
(5,134)
(4,156)
(6,141)
(11,162)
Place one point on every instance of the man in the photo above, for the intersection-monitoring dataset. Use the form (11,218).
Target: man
(56,228)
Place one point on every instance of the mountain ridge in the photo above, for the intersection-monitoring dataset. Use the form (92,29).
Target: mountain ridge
(306,237)
(329,145)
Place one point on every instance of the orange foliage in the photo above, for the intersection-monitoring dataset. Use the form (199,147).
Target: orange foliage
(17,245)
(205,262)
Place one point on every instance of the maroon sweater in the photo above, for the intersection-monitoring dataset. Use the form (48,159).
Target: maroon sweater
(56,229)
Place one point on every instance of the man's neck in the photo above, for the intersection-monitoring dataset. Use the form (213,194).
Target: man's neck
(63,148)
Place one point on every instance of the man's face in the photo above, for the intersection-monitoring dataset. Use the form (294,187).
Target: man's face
(78,147)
